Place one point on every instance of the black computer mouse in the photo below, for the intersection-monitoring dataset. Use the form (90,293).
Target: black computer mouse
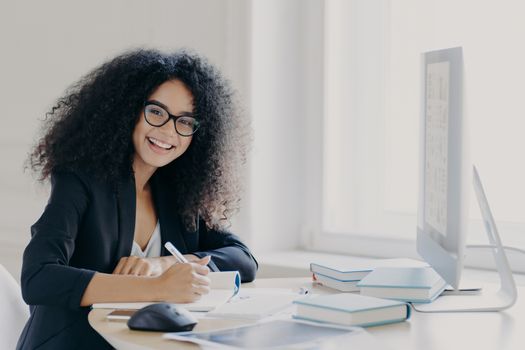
(162,317)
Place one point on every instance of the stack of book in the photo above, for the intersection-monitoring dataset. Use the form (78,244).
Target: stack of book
(411,284)
(344,277)
(339,277)
(351,310)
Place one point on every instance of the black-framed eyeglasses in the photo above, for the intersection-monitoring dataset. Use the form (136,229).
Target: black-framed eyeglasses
(157,115)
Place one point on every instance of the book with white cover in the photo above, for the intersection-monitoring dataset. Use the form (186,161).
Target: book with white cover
(343,286)
(419,285)
(342,272)
(350,271)
(351,310)
(224,285)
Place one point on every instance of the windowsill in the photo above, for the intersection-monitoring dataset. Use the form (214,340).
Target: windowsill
(296,263)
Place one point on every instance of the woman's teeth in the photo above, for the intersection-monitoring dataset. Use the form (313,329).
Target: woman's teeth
(159,143)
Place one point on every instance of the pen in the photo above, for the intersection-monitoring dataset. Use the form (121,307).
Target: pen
(175,252)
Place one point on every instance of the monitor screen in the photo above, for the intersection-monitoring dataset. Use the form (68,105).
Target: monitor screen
(442,212)
(436,148)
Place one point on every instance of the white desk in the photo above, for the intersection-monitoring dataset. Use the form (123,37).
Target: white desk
(494,331)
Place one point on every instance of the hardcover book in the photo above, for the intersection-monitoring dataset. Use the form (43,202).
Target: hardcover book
(412,284)
(351,310)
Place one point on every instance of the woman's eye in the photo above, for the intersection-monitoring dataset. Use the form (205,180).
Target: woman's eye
(187,122)
(155,111)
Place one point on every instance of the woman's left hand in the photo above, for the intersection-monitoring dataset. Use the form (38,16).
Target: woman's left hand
(132,265)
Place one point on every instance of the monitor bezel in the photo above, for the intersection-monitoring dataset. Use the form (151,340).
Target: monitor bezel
(445,252)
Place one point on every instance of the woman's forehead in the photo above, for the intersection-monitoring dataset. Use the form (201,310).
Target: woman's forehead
(175,96)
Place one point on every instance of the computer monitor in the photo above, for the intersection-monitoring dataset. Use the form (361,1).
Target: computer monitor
(445,175)
(444,170)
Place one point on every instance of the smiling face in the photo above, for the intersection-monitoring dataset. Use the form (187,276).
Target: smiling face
(158,146)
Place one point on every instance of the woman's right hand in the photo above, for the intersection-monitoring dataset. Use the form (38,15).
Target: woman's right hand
(184,282)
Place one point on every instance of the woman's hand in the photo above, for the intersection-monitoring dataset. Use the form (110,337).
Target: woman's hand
(184,282)
(195,259)
(133,265)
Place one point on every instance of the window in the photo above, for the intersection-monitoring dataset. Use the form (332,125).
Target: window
(371,116)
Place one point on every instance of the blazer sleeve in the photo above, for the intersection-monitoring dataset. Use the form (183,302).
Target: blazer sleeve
(47,278)
(227,252)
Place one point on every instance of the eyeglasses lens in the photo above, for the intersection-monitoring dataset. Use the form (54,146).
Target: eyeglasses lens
(158,116)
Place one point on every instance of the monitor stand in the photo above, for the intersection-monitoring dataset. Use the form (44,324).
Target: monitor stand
(489,299)
(466,287)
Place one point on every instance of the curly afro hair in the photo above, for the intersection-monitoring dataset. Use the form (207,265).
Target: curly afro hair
(90,129)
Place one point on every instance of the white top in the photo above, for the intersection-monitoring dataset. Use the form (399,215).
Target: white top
(152,249)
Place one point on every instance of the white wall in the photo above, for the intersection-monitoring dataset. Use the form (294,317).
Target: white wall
(286,101)
(47,45)
(271,50)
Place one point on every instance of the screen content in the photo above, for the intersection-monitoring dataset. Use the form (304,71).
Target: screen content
(436,148)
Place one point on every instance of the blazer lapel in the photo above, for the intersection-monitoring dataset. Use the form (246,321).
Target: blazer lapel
(170,225)
(126,202)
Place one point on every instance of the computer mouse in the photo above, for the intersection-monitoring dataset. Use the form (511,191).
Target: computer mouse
(162,317)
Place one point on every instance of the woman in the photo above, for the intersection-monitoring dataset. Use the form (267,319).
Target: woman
(143,150)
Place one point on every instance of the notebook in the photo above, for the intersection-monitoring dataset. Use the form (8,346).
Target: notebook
(224,285)
(413,284)
(351,310)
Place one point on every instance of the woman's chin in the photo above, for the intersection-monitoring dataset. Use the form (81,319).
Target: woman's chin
(158,163)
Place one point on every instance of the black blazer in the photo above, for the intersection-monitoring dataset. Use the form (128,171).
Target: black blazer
(87,226)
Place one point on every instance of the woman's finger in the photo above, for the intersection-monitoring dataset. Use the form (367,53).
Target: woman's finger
(144,269)
(199,279)
(201,289)
(201,269)
(128,266)
(136,268)
(120,265)
(204,260)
